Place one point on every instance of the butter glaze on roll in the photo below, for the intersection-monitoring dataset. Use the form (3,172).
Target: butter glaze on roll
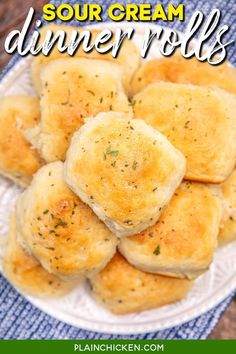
(60,231)
(184,71)
(182,242)
(18,160)
(27,274)
(199,121)
(123,289)
(128,56)
(125,170)
(72,90)
(227,231)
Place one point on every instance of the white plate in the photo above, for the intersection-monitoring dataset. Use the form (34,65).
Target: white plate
(78,308)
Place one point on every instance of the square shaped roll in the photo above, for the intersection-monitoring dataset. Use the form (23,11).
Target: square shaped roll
(72,90)
(27,274)
(123,289)
(125,170)
(184,71)
(199,121)
(182,243)
(128,55)
(59,230)
(18,160)
(227,231)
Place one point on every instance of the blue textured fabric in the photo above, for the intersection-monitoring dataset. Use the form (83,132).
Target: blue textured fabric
(21,320)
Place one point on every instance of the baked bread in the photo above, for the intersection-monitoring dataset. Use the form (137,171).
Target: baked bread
(123,289)
(198,121)
(182,242)
(72,90)
(227,231)
(125,170)
(128,55)
(60,231)
(26,273)
(18,161)
(184,71)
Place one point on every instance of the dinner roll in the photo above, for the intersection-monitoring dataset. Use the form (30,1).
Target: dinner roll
(128,55)
(125,170)
(184,71)
(18,160)
(182,242)
(26,273)
(74,89)
(62,233)
(123,289)
(199,121)
(228,222)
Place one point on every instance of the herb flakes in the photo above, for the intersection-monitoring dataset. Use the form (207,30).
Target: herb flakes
(134,165)
(157,250)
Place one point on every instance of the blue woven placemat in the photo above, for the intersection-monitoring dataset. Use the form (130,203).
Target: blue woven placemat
(21,320)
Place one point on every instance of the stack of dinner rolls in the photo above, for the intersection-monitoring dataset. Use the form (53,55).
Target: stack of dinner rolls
(129,175)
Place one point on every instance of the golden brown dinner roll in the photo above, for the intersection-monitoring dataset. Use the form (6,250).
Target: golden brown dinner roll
(122,289)
(184,71)
(182,242)
(63,234)
(26,273)
(228,222)
(199,121)
(128,55)
(74,89)
(125,170)
(18,160)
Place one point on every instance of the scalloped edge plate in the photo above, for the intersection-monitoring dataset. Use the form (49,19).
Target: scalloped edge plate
(78,308)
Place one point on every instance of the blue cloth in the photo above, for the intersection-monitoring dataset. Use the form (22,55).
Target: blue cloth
(21,320)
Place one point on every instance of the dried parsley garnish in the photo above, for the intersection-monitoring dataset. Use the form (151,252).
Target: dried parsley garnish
(157,250)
